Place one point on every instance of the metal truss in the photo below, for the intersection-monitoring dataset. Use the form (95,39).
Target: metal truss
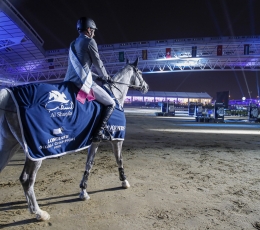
(232,58)
(5,43)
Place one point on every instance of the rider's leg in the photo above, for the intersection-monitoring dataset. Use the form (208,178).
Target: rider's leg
(103,97)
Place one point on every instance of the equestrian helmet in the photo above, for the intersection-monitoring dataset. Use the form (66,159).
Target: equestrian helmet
(85,23)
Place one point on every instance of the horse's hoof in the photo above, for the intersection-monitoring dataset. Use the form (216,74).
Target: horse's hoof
(43,216)
(125,184)
(84,196)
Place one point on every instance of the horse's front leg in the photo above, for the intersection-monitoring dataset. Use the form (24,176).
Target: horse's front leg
(27,180)
(117,149)
(90,161)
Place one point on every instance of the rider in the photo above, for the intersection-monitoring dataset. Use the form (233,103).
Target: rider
(83,53)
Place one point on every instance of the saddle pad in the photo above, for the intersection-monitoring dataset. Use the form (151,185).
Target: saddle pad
(54,123)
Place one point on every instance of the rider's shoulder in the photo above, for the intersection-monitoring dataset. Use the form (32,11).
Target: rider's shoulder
(92,43)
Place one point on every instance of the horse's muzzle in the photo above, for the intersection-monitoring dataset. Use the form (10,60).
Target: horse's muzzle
(144,88)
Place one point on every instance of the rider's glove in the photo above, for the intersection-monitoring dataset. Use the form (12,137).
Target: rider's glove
(109,79)
(99,79)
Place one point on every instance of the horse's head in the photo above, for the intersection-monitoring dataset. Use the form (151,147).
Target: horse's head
(137,82)
(128,77)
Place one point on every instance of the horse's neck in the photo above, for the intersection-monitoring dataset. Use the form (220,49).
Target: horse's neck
(121,97)
(120,90)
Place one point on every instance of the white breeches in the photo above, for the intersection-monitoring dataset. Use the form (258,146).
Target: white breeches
(102,96)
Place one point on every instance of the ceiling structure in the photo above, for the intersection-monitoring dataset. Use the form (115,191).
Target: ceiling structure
(19,42)
(23,60)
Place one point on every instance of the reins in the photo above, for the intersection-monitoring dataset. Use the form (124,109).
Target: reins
(129,85)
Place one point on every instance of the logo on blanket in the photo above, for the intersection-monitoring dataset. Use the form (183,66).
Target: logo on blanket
(58,101)
(115,128)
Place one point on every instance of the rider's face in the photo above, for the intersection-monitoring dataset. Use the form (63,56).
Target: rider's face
(91,32)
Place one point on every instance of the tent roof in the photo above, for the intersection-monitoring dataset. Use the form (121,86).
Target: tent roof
(170,94)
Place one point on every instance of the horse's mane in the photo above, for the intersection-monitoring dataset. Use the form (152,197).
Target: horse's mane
(121,72)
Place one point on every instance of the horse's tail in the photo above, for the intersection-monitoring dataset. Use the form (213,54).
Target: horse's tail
(8,123)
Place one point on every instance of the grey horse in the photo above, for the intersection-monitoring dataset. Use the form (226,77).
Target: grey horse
(11,138)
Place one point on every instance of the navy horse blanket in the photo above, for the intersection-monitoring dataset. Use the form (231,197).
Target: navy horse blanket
(54,123)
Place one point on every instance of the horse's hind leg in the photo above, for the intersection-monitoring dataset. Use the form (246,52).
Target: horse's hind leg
(9,127)
(117,149)
(27,180)
(8,143)
(90,161)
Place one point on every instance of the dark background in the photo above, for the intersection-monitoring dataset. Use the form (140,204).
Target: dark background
(129,21)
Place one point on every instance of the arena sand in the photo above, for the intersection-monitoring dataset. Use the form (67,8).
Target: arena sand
(183,175)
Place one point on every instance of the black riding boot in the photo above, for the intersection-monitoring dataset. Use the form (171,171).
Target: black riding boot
(100,135)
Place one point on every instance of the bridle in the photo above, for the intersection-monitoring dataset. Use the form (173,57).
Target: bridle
(137,74)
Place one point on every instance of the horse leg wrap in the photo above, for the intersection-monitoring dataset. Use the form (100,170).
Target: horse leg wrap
(83,183)
(122,176)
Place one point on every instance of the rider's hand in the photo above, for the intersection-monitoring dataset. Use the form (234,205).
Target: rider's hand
(109,79)
(99,79)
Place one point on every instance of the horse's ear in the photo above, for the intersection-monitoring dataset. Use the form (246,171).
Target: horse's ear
(127,61)
(136,62)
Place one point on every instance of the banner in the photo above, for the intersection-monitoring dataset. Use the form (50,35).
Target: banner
(219,111)
(168,53)
(223,97)
(121,56)
(194,51)
(219,50)
(50,61)
(144,54)
(191,109)
(246,49)
(253,111)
